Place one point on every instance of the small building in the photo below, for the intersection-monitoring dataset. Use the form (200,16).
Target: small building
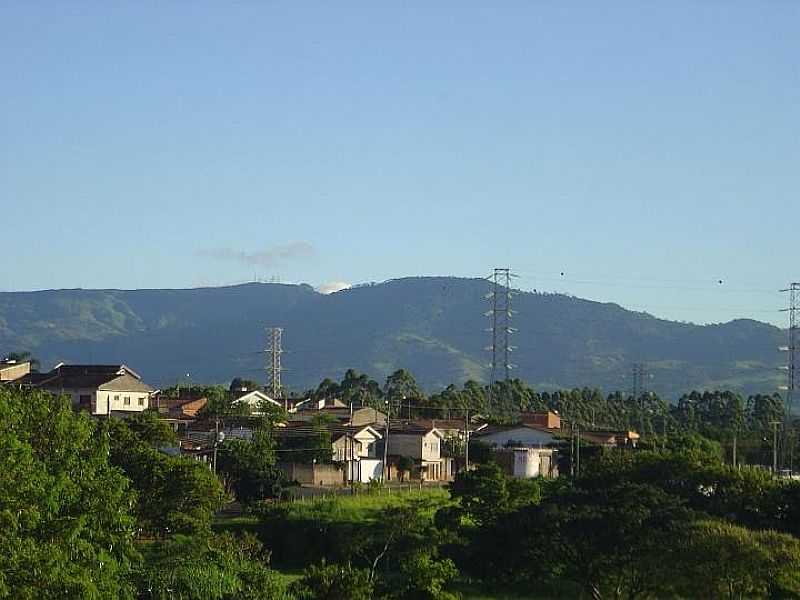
(610,439)
(544,420)
(99,389)
(526,463)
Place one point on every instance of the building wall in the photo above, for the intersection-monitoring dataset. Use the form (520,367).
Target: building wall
(136,401)
(313,474)
(525,463)
(97,401)
(422,447)
(405,445)
(14,371)
(365,469)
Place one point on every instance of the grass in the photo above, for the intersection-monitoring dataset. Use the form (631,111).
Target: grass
(361,508)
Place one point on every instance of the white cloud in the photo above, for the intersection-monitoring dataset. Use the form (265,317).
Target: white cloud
(333,286)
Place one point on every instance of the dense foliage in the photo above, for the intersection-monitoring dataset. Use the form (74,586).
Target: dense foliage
(66,525)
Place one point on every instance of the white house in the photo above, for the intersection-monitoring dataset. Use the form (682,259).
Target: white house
(100,389)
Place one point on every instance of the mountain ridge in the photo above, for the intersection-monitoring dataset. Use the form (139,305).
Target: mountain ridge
(434,326)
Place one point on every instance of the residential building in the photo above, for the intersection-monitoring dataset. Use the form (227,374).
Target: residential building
(99,389)
(343,415)
(421,443)
(355,447)
(312,404)
(610,439)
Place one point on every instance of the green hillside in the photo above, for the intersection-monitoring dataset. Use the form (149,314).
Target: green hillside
(433,326)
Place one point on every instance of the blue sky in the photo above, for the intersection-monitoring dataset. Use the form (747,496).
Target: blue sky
(645,150)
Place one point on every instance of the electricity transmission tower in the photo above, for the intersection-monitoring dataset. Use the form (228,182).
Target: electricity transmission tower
(273,351)
(500,313)
(791,352)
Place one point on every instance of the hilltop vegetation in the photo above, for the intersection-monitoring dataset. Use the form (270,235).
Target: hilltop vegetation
(432,326)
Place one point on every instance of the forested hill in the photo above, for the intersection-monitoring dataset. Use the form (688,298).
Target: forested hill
(432,326)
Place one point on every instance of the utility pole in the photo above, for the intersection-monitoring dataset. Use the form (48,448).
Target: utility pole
(577,451)
(500,314)
(775,446)
(384,478)
(791,353)
(639,391)
(466,440)
(273,367)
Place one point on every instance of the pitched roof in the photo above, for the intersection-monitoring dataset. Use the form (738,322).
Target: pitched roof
(490,429)
(103,377)
(301,429)
(413,428)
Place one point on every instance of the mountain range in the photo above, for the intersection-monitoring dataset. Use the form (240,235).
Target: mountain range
(434,326)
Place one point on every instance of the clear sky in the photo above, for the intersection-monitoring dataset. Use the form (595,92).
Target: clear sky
(647,150)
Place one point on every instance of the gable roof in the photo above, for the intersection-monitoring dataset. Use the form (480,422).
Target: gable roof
(299,430)
(491,429)
(102,377)
(255,396)
(413,428)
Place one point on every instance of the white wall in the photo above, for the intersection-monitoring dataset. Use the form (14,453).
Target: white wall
(116,400)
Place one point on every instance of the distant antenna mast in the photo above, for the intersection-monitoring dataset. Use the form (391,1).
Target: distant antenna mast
(791,349)
(500,313)
(273,367)
(791,353)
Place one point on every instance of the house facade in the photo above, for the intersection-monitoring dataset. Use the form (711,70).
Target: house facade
(422,444)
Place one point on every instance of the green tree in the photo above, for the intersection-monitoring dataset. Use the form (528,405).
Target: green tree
(175,494)
(405,464)
(333,582)
(238,384)
(248,467)
(67,529)
(486,492)
(221,567)
(722,560)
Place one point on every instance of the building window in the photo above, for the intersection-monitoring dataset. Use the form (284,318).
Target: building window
(127,400)
(116,398)
(141,401)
